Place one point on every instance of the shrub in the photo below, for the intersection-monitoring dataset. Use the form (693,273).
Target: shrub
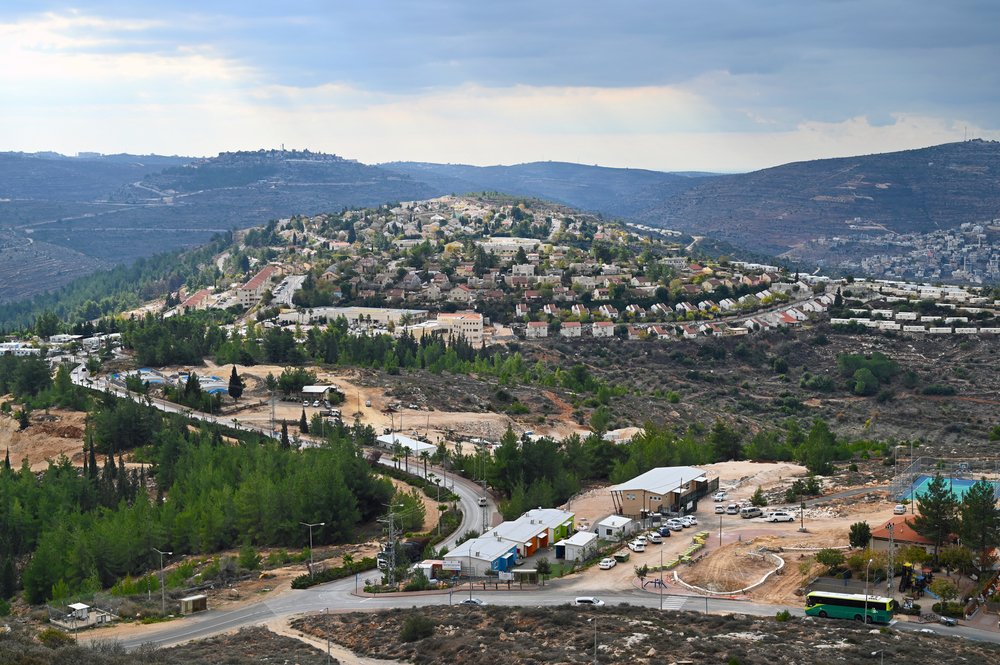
(783,615)
(938,389)
(53,638)
(416,627)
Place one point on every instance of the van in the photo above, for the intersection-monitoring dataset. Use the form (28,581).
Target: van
(750,513)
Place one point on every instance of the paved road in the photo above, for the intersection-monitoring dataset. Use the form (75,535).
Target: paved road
(337,596)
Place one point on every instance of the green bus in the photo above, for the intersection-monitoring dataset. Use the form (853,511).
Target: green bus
(850,606)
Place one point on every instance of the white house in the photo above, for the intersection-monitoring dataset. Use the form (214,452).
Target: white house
(578,547)
(615,527)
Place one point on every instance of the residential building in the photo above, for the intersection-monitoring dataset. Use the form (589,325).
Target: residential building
(603,329)
(536,330)
(571,329)
(250,294)
(466,324)
(674,489)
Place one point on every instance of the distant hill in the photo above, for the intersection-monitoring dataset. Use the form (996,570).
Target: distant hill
(614,192)
(54,177)
(903,192)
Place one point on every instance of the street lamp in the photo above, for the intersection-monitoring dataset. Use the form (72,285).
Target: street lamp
(594,619)
(163,585)
(866,588)
(881,651)
(311,574)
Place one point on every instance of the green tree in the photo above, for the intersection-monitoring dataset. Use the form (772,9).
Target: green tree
(303,423)
(860,536)
(946,590)
(830,558)
(727,443)
(979,523)
(957,557)
(47,324)
(235,385)
(865,382)
(936,517)
(758,498)
(23,421)
(600,419)
(543,568)
(284,435)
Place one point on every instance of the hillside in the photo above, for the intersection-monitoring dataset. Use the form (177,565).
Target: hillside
(53,177)
(615,192)
(902,192)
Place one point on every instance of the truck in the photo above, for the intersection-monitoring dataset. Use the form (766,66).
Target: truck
(410,550)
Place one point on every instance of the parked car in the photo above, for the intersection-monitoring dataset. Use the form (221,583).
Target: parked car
(607,564)
(475,602)
(654,538)
(690,520)
(637,546)
(305,403)
(750,513)
(900,509)
(316,404)
(733,509)
(947,621)
(675,524)
(664,531)
(720,496)
(482,501)
(779,516)
(368,403)
(720,509)
(588,600)
(641,539)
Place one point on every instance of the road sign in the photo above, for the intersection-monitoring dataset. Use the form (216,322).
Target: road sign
(451,564)
(506,577)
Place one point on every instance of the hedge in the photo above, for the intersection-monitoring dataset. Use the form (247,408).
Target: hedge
(331,574)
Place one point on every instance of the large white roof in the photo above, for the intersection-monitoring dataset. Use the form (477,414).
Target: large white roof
(405,441)
(487,549)
(662,480)
(533,523)
(579,539)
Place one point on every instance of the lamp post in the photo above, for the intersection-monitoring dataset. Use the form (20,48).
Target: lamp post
(882,659)
(311,574)
(594,619)
(163,585)
(328,657)
(661,579)
(866,588)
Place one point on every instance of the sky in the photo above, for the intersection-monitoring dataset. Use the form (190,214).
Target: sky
(713,85)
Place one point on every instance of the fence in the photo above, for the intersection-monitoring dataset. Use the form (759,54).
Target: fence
(962,469)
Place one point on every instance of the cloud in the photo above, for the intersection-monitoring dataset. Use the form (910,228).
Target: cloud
(681,85)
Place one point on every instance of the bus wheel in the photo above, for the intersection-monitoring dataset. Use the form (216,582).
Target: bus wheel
(869,620)
(857,617)
(822,614)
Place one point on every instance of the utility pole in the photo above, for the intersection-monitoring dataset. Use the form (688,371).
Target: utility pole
(889,568)
(311,574)
(163,583)
(391,564)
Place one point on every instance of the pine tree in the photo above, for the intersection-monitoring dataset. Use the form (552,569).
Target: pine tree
(93,460)
(980,519)
(8,578)
(235,385)
(22,419)
(937,513)
(303,423)
(284,435)
(6,461)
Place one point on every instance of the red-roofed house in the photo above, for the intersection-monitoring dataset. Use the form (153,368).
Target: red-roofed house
(603,329)
(251,292)
(537,329)
(571,329)
(903,535)
(198,300)
(633,333)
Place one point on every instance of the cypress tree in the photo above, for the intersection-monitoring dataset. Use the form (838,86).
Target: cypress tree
(235,385)
(93,460)
(303,423)
(284,435)
(6,461)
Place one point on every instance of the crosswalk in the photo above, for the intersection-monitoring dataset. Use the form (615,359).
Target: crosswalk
(674,602)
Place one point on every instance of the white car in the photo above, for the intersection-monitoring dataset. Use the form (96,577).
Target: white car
(779,516)
(720,496)
(368,403)
(675,524)
(305,403)
(900,509)
(690,520)
(588,600)
(642,539)
(608,564)
(636,546)
(654,537)
(474,602)
(720,510)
